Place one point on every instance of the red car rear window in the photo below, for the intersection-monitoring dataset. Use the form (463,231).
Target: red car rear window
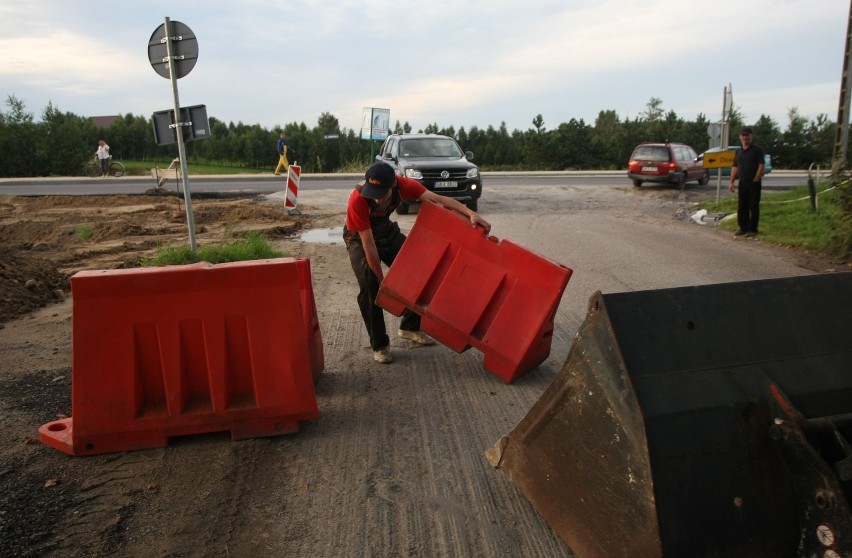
(651,153)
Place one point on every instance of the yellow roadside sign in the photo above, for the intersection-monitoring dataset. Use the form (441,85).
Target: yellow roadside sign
(718,160)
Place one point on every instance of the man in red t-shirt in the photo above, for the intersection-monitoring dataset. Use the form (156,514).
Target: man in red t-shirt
(372,238)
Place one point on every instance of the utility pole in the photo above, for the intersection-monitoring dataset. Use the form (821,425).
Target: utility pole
(841,142)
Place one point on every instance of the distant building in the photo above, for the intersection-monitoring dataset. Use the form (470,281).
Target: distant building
(103,121)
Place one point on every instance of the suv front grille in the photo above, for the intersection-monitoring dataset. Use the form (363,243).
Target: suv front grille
(436,174)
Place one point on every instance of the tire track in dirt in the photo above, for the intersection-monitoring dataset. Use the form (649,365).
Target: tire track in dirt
(194,497)
(104,502)
(464,411)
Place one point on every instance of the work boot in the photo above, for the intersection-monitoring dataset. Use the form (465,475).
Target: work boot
(417,336)
(383,356)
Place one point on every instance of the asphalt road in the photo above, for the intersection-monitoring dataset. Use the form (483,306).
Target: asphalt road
(267,183)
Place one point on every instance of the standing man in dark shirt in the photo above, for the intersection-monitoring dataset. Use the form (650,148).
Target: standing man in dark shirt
(748,167)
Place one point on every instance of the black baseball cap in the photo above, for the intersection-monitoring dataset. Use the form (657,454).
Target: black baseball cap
(377,181)
(746,130)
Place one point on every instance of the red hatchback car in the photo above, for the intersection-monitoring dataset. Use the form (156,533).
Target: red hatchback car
(671,163)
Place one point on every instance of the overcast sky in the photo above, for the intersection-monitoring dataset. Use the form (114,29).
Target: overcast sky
(461,63)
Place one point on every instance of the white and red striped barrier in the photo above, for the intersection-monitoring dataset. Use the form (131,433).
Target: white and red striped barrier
(293,174)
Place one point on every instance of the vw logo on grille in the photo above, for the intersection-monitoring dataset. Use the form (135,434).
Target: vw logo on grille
(445,174)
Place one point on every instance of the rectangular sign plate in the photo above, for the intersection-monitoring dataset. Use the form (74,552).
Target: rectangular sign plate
(722,159)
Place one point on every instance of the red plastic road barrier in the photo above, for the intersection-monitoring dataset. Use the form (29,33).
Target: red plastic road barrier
(294,173)
(176,350)
(474,290)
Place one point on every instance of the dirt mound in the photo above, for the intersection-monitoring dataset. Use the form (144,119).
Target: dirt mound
(28,282)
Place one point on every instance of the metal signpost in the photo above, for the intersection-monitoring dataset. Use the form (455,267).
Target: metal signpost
(173,51)
(723,132)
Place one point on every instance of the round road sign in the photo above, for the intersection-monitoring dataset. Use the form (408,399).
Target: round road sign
(714,130)
(184,50)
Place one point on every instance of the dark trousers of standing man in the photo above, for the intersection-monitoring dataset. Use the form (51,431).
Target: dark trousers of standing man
(388,244)
(748,208)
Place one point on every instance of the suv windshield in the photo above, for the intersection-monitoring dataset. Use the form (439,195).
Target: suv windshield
(430,147)
(651,153)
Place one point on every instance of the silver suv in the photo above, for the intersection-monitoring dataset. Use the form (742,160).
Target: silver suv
(435,161)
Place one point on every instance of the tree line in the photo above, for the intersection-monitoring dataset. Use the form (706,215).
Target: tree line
(60,143)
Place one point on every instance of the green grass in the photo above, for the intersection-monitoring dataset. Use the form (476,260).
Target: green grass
(253,246)
(84,232)
(143,168)
(787,218)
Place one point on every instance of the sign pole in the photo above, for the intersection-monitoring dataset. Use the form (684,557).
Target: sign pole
(727,105)
(190,219)
(372,143)
(723,136)
(718,185)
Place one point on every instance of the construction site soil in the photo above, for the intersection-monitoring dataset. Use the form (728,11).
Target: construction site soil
(394,466)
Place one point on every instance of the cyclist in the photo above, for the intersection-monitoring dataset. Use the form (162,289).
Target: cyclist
(102,155)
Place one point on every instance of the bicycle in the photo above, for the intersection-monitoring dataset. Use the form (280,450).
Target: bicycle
(116,169)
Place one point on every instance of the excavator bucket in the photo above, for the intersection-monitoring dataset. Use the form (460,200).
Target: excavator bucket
(698,421)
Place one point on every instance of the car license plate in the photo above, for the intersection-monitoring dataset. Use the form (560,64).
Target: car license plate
(446,184)
(649,169)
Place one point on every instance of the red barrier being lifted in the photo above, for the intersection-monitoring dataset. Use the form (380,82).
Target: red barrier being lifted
(474,290)
(176,350)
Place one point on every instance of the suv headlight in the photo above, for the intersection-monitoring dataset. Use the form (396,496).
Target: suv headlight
(473,173)
(413,173)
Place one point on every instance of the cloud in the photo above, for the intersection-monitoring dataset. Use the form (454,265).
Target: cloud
(473,63)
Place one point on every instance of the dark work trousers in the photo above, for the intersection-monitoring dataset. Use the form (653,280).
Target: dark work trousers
(389,245)
(748,208)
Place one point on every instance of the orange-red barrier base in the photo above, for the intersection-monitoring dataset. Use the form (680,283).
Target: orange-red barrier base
(60,434)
